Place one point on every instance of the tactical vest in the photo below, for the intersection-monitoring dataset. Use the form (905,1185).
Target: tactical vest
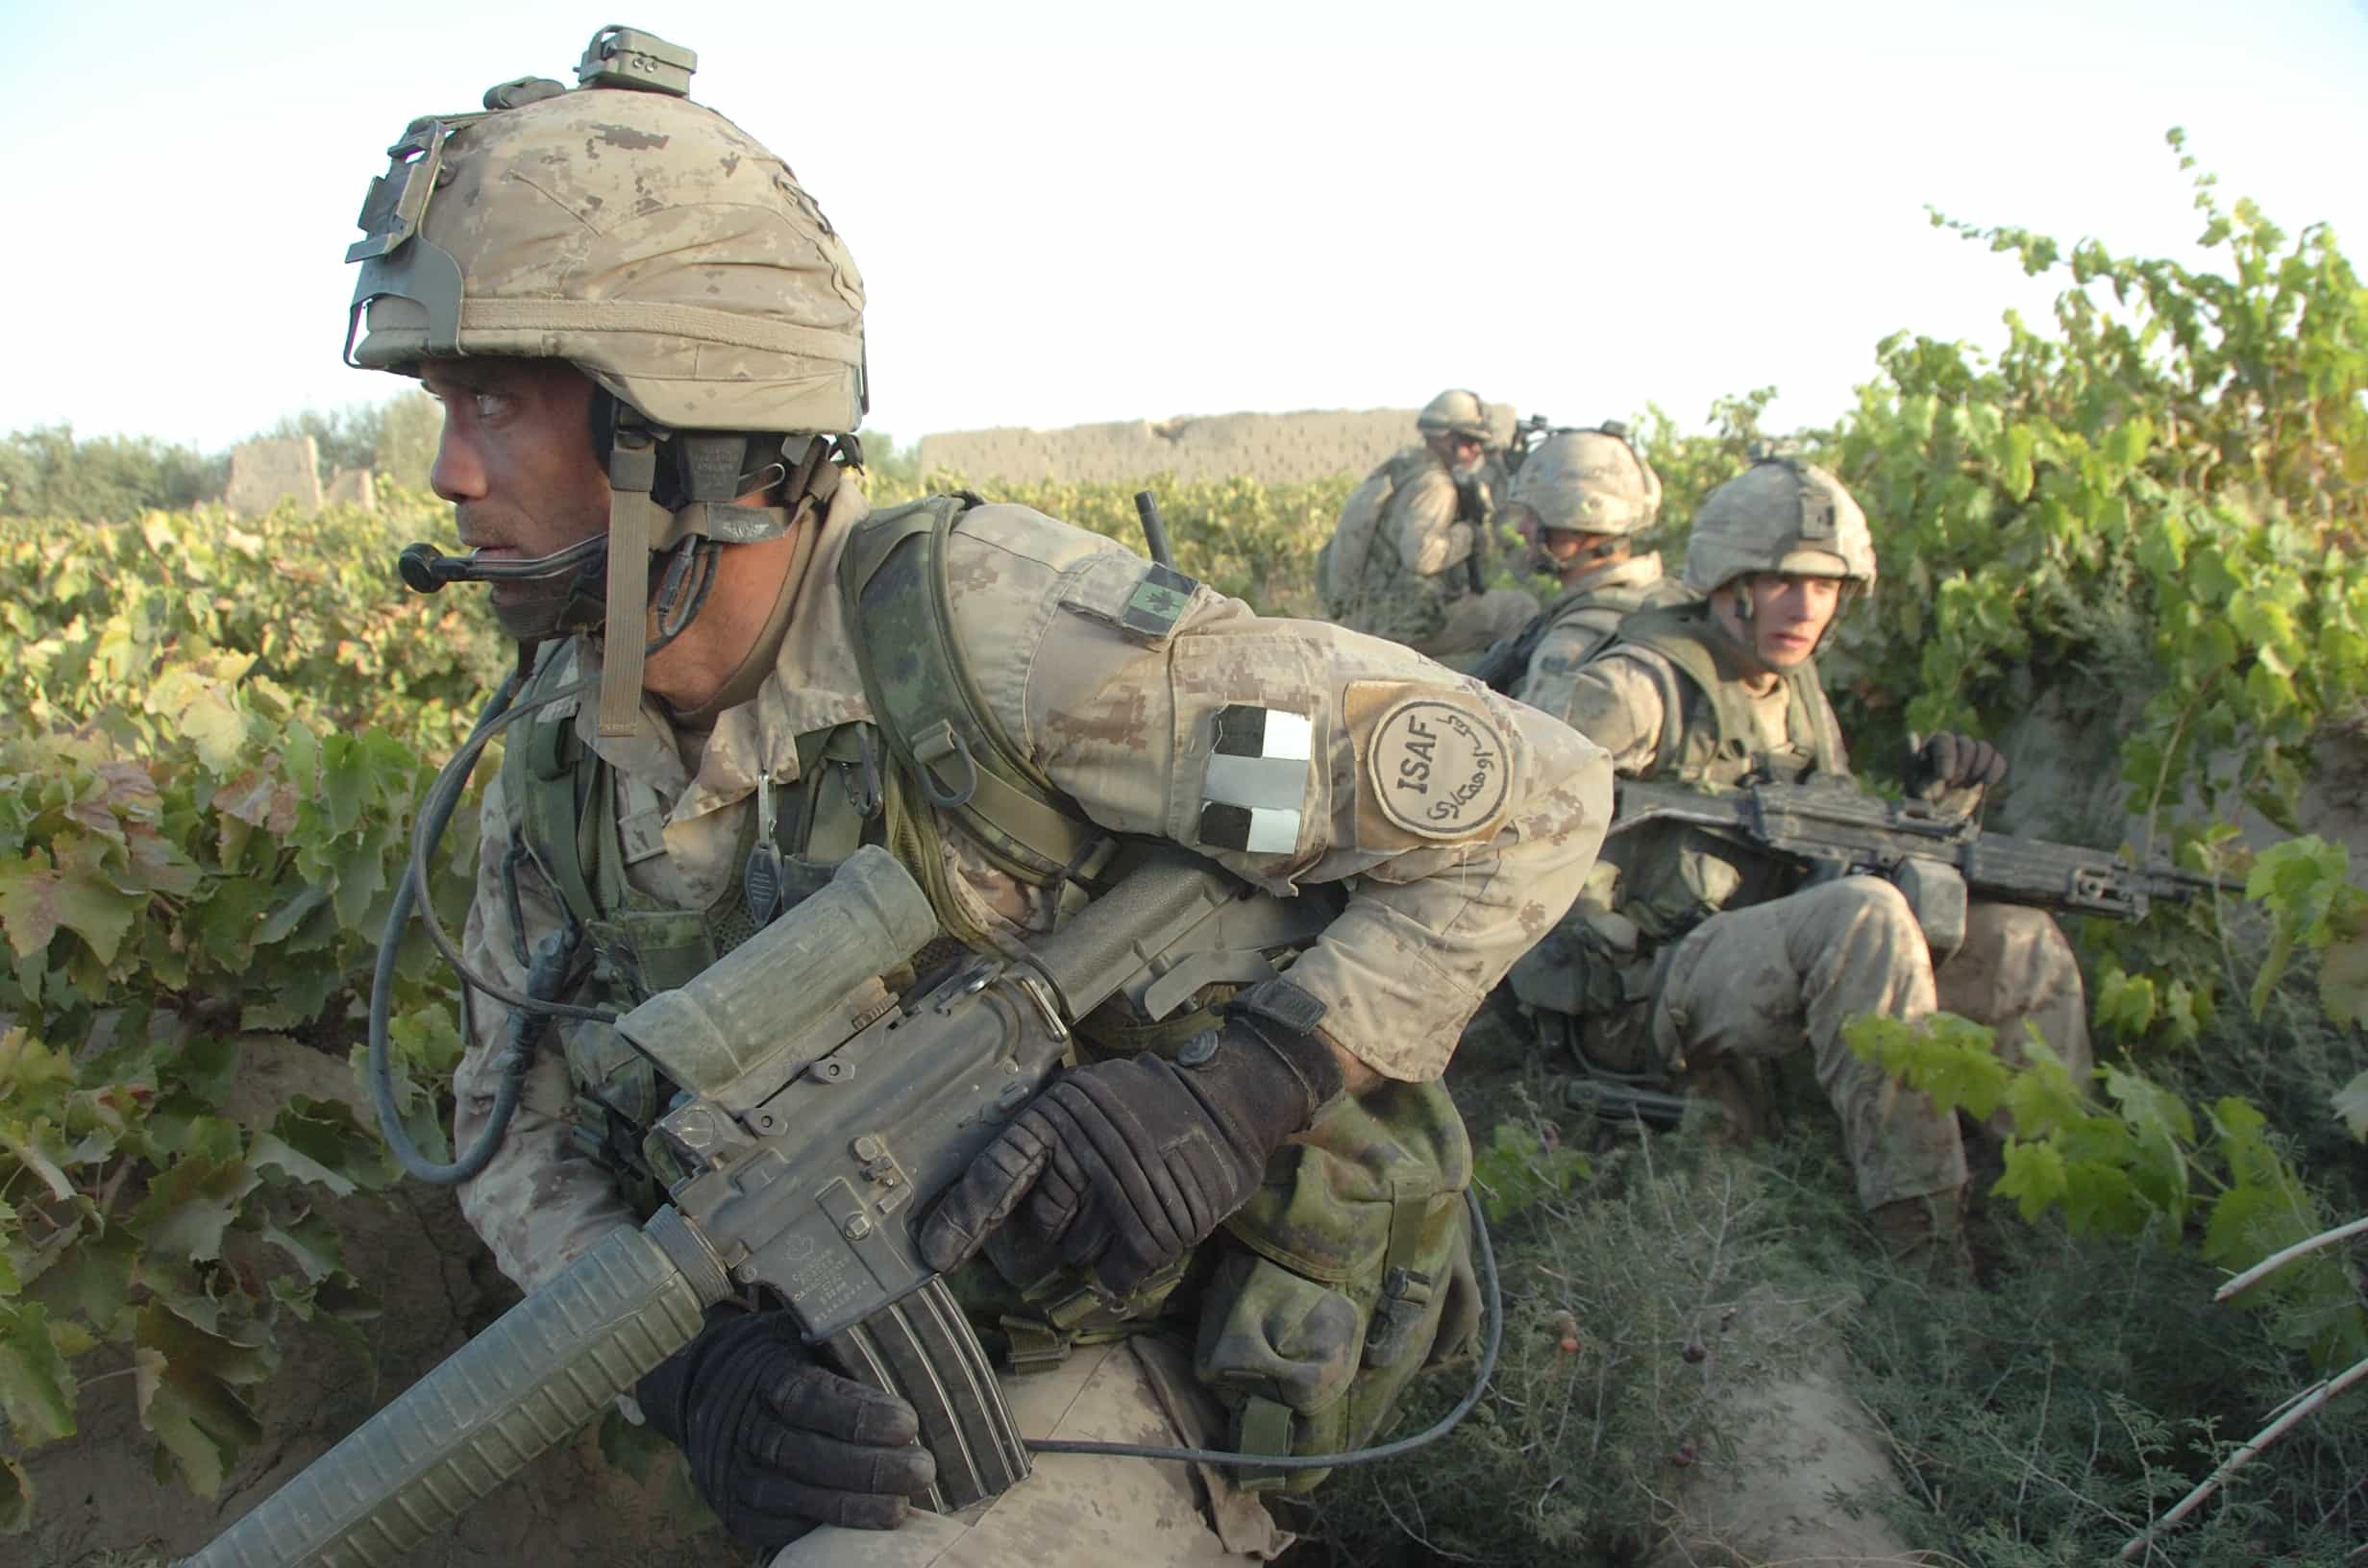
(1359,1221)
(1598,606)
(1673,875)
(1597,971)
(1601,607)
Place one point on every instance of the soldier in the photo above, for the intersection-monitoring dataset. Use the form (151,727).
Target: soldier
(648,343)
(1585,497)
(1409,558)
(1688,950)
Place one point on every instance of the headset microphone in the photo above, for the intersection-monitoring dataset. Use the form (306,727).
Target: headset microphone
(426,568)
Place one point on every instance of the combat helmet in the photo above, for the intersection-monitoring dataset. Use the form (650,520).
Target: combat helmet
(679,264)
(1780,515)
(1457,411)
(1589,482)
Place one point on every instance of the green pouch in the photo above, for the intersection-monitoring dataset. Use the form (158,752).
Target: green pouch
(1348,1272)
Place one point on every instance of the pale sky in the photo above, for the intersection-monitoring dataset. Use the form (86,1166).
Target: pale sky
(1068,212)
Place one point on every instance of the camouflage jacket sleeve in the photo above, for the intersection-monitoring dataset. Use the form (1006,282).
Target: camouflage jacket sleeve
(1554,662)
(1617,703)
(1422,525)
(1293,753)
(541,1203)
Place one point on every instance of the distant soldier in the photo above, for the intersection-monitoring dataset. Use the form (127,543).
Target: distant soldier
(1409,558)
(1498,461)
(1586,496)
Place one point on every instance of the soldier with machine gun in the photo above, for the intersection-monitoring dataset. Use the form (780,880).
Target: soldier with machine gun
(1703,946)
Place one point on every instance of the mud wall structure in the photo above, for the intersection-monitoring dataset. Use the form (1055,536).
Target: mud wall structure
(1277,448)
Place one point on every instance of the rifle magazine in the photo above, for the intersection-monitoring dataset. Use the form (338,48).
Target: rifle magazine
(922,1350)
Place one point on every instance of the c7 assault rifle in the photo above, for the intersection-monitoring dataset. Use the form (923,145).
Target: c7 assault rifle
(820,1115)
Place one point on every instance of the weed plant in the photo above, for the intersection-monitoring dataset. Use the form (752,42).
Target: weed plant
(1649,1304)
(2037,1419)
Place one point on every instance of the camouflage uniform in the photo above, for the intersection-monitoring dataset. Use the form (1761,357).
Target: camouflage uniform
(1122,729)
(1582,619)
(1688,951)
(1403,560)
(679,266)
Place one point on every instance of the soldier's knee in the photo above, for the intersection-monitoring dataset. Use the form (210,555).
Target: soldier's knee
(2019,947)
(1869,901)
(1858,920)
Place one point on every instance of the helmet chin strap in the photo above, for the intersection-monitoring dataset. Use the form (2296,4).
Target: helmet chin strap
(635,525)
(604,582)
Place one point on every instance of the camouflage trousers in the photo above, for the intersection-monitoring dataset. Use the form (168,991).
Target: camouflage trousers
(1763,981)
(1475,622)
(1085,1510)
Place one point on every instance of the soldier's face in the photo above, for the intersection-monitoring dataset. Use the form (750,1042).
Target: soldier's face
(1788,616)
(516,458)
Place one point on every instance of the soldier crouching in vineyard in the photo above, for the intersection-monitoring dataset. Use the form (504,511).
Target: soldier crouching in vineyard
(1583,498)
(1408,557)
(648,343)
(1692,949)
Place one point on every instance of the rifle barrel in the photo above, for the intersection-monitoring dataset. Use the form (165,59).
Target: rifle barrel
(544,1369)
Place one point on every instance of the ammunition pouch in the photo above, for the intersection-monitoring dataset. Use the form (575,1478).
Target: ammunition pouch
(1347,1273)
(1591,982)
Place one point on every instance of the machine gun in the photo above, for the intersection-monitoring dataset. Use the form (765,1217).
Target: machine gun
(1937,860)
(818,1115)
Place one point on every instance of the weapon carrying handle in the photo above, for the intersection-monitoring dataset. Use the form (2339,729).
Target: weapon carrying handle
(521,1388)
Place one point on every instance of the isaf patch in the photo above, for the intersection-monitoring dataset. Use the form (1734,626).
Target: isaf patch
(1434,765)
(1253,794)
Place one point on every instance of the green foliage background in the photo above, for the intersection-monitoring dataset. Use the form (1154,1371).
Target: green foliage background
(2147,509)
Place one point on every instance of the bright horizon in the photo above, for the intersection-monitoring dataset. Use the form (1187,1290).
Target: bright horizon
(1066,215)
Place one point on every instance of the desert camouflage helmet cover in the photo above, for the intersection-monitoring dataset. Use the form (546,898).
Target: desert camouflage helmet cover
(1589,481)
(642,236)
(1781,515)
(1456,412)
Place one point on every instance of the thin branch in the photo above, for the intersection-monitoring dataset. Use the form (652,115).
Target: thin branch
(1417,1536)
(2277,1260)
(2245,1455)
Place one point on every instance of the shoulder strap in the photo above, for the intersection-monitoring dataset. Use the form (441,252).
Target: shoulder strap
(547,776)
(927,704)
(1814,714)
(1681,635)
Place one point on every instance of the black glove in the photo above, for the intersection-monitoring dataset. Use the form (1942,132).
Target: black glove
(777,1444)
(1949,765)
(1124,1167)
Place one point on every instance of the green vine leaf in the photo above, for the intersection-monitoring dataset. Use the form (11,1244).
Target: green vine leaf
(17,1498)
(36,1387)
(69,892)
(2352,1105)
(187,1383)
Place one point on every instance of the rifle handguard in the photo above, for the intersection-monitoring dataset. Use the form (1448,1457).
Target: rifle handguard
(523,1386)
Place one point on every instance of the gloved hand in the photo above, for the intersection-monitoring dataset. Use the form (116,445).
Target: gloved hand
(1953,772)
(776,1443)
(1124,1167)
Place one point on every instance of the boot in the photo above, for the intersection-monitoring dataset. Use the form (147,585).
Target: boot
(1926,1233)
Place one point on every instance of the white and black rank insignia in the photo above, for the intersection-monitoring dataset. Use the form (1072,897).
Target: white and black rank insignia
(1255,789)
